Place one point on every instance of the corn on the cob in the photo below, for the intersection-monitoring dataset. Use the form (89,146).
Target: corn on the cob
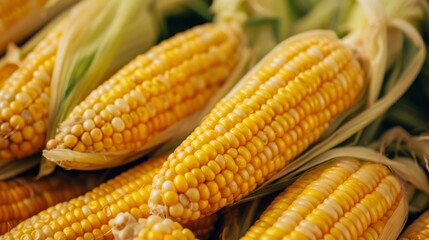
(24,100)
(23,197)
(419,229)
(151,93)
(152,228)
(12,11)
(345,199)
(284,105)
(89,216)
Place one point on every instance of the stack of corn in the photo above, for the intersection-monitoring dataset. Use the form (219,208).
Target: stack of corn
(299,92)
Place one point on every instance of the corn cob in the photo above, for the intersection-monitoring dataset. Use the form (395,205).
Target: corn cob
(151,93)
(89,216)
(345,199)
(12,11)
(281,107)
(419,229)
(24,100)
(23,197)
(152,228)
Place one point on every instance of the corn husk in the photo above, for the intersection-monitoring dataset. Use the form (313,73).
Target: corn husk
(34,19)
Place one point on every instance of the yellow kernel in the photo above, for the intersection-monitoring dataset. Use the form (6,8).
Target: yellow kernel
(16,137)
(77,130)
(204,191)
(96,134)
(191,179)
(98,146)
(181,169)
(208,173)
(16,107)
(171,198)
(6,114)
(191,162)
(117,138)
(51,144)
(180,183)
(39,126)
(17,122)
(26,147)
(88,125)
(86,139)
(70,141)
(28,132)
(199,175)
(176,210)
(79,147)
(193,194)
(107,129)
(118,124)
(128,121)
(127,136)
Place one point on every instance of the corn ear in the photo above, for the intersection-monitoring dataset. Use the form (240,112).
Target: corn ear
(276,111)
(154,102)
(344,199)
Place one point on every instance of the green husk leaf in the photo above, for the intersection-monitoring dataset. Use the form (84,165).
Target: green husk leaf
(36,18)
